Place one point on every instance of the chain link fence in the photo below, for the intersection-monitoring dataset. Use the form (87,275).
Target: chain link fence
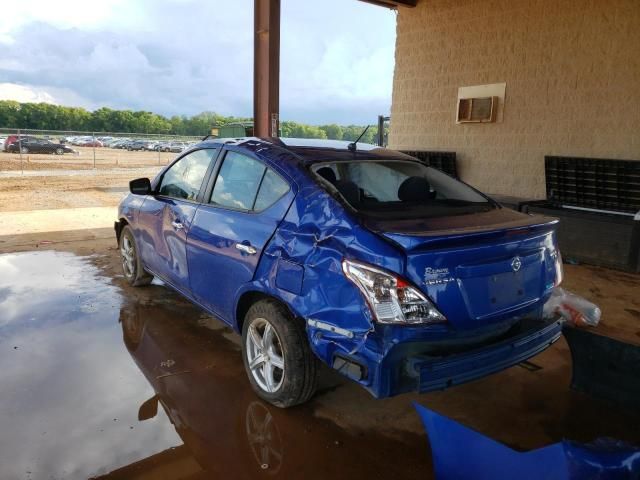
(27,150)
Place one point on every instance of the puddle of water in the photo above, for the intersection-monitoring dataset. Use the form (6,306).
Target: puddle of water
(67,380)
(227,432)
(107,387)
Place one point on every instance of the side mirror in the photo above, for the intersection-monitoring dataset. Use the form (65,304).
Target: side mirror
(140,186)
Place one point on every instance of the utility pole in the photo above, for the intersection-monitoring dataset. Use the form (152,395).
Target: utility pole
(20,150)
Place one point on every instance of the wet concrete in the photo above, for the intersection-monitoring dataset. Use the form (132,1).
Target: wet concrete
(102,380)
(98,384)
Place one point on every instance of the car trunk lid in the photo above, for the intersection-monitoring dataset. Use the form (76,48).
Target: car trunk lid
(479,269)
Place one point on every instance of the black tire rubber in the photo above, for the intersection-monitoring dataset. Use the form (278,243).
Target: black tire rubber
(140,276)
(301,365)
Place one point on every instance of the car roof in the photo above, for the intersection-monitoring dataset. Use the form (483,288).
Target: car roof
(310,150)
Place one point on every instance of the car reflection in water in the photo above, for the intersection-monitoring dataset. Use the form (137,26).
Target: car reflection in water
(227,431)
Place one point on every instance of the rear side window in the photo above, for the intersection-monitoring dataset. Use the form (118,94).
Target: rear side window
(272,189)
(247,184)
(184,179)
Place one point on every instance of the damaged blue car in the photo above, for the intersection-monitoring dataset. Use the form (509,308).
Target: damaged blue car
(393,273)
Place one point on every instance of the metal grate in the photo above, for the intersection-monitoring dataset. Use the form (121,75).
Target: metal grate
(594,183)
(444,161)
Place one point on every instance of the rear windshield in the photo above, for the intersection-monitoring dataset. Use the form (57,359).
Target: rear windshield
(399,189)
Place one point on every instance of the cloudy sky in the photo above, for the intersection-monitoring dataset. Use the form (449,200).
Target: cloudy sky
(187,56)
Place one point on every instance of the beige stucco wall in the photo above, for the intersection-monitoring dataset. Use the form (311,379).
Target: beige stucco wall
(572,70)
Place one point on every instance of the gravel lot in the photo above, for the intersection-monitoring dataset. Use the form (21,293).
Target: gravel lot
(51,181)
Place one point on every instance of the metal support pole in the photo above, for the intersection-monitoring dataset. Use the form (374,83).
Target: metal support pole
(20,150)
(266,68)
(93,134)
(381,120)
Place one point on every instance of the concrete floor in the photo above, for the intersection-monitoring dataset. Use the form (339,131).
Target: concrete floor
(103,380)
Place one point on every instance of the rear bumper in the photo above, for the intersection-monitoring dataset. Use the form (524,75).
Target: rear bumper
(442,373)
(404,371)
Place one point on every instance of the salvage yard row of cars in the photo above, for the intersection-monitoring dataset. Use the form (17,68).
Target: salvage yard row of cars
(131,144)
(32,144)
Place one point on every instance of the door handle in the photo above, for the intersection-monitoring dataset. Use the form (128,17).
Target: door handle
(177,225)
(246,248)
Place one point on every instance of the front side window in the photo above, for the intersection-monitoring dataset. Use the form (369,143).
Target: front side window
(238,182)
(184,179)
(400,189)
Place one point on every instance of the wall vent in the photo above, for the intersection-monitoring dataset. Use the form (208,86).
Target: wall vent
(477,110)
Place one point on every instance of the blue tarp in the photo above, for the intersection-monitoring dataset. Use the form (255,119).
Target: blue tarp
(460,453)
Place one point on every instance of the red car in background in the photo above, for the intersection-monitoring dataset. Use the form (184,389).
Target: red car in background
(90,143)
(11,139)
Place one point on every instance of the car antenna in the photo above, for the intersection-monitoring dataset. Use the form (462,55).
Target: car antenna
(353,146)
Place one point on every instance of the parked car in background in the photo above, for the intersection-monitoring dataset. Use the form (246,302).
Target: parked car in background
(160,146)
(175,147)
(91,142)
(110,143)
(137,145)
(39,145)
(11,139)
(391,272)
(121,144)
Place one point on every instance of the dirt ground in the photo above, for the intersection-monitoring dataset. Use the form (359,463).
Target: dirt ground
(102,158)
(53,182)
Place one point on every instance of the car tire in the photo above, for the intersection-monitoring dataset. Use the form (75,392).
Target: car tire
(24,150)
(132,267)
(59,151)
(295,381)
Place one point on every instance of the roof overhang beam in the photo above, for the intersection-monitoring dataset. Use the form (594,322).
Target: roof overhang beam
(393,3)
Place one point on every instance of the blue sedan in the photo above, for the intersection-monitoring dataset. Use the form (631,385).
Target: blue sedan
(391,272)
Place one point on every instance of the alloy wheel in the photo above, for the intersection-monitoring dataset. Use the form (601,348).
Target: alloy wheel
(264,355)
(128,257)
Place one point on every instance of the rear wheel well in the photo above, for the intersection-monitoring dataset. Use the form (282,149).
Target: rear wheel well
(249,298)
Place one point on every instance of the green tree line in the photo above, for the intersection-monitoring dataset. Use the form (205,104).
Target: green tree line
(44,116)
